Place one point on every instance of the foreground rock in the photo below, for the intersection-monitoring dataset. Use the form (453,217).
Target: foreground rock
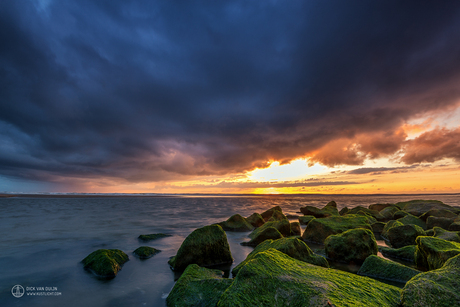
(404,235)
(198,286)
(440,287)
(304,220)
(205,246)
(443,222)
(269,213)
(295,229)
(145,252)
(361,210)
(292,247)
(388,212)
(272,278)
(406,253)
(431,253)
(381,268)
(236,223)
(319,229)
(329,210)
(283,226)
(454,226)
(438,213)
(388,226)
(446,235)
(351,246)
(268,233)
(255,220)
(153,236)
(412,220)
(105,263)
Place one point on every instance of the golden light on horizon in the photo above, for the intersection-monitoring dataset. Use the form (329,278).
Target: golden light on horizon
(294,170)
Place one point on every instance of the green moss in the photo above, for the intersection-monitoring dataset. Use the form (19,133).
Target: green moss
(344,211)
(206,246)
(378,227)
(266,234)
(378,267)
(351,246)
(361,210)
(406,253)
(272,278)
(446,235)
(429,232)
(295,229)
(269,213)
(412,220)
(419,206)
(432,253)
(404,235)
(440,287)
(380,207)
(283,226)
(292,247)
(255,220)
(236,223)
(145,252)
(454,226)
(388,212)
(198,287)
(277,216)
(329,210)
(105,263)
(399,214)
(304,220)
(438,213)
(389,225)
(153,236)
(442,222)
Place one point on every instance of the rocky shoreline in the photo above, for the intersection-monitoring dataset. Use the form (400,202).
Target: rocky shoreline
(282,270)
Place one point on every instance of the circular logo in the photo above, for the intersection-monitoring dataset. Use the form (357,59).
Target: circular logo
(17,291)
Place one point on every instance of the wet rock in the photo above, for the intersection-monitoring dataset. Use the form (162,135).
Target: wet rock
(292,247)
(344,211)
(440,233)
(265,234)
(351,246)
(381,268)
(438,213)
(153,236)
(283,226)
(389,225)
(406,253)
(412,220)
(269,213)
(380,207)
(329,210)
(361,210)
(404,235)
(319,229)
(378,227)
(442,222)
(419,207)
(205,246)
(198,286)
(255,220)
(304,220)
(388,212)
(272,278)
(277,216)
(145,252)
(399,214)
(431,253)
(454,226)
(105,263)
(236,223)
(295,229)
(440,287)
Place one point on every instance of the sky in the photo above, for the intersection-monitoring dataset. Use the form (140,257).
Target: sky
(230,96)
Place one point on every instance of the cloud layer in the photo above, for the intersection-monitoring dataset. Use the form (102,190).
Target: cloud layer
(164,91)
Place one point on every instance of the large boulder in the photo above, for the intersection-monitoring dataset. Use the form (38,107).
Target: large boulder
(273,278)
(277,216)
(269,213)
(304,220)
(438,213)
(105,263)
(399,214)
(381,268)
(443,222)
(440,287)
(431,253)
(446,235)
(406,253)
(389,225)
(319,229)
(412,220)
(283,226)
(388,212)
(454,226)
(198,286)
(206,246)
(419,207)
(361,210)
(380,207)
(404,235)
(351,246)
(268,233)
(329,210)
(378,227)
(236,223)
(343,211)
(255,220)
(292,247)
(145,252)
(295,229)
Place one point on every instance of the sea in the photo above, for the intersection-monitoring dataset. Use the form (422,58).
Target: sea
(44,238)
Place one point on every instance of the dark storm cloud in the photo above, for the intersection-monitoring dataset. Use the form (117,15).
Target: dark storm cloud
(162,90)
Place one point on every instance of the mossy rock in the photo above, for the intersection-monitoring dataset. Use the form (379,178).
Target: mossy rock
(438,213)
(351,246)
(406,253)
(198,286)
(295,229)
(153,236)
(255,220)
(429,232)
(412,220)
(277,216)
(105,263)
(404,235)
(319,229)
(380,207)
(389,225)
(440,287)
(419,207)
(269,213)
(292,247)
(272,278)
(206,246)
(145,252)
(442,222)
(431,253)
(399,214)
(377,267)
(329,210)
(454,226)
(266,234)
(388,212)
(361,210)
(343,211)
(236,223)
(304,220)
(377,227)
(452,236)
(283,226)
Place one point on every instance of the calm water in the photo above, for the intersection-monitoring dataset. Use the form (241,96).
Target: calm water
(43,241)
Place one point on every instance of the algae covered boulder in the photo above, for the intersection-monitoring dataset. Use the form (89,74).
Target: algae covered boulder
(152,236)
(454,226)
(206,246)
(105,263)
(438,213)
(388,212)
(399,214)
(446,235)
(304,220)
(236,223)
(271,278)
(344,211)
(378,227)
(419,207)
(145,252)
(361,210)
(351,246)
(329,210)
(319,229)
(380,207)
(295,229)
(268,233)
(412,220)
(255,220)
(431,253)
(406,253)
(389,225)
(283,226)
(269,213)
(404,235)
(198,286)
(440,287)
(381,268)
(277,216)
(443,222)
